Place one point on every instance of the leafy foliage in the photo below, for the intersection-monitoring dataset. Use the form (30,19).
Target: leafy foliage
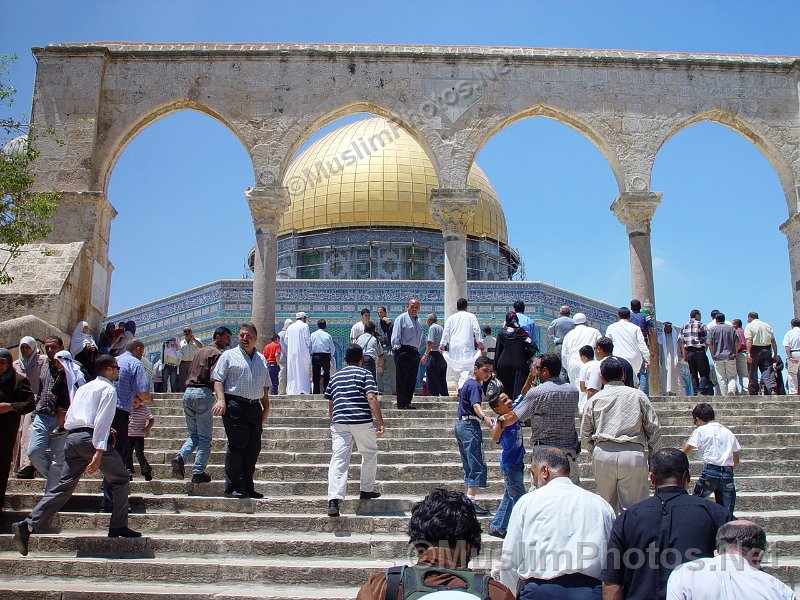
(24,214)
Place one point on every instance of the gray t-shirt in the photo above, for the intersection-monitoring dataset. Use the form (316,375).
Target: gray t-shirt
(723,337)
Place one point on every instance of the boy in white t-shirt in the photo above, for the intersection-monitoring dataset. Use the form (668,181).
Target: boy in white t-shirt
(719,449)
(589,382)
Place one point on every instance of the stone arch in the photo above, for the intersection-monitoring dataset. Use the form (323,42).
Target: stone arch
(116,146)
(751,133)
(304,127)
(482,135)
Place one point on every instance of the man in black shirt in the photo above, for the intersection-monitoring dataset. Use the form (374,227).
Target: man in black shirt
(656,535)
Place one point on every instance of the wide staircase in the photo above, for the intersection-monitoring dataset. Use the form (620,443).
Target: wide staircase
(199,544)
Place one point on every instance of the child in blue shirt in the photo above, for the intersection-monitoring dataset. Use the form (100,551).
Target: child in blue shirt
(511,462)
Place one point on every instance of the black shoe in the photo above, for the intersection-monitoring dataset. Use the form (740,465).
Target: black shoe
(124,532)
(26,472)
(105,508)
(255,495)
(148,476)
(201,478)
(497,533)
(407,407)
(369,495)
(21,536)
(333,508)
(481,512)
(178,470)
(236,494)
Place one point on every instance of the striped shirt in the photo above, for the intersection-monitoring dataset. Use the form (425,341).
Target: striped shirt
(694,334)
(552,407)
(348,391)
(241,375)
(132,380)
(140,417)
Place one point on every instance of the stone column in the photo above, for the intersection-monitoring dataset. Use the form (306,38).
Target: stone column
(791,228)
(452,210)
(267,205)
(635,211)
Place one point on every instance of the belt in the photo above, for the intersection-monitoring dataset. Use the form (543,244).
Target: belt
(723,469)
(230,397)
(409,347)
(81,430)
(435,352)
(695,349)
(468,418)
(320,354)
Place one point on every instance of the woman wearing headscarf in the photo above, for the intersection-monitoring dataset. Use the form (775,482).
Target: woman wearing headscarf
(106,339)
(83,348)
(171,359)
(16,398)
(513,354)
(68,380)
(282,357)
(29,365)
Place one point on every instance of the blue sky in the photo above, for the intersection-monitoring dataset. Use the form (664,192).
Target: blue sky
(719,191)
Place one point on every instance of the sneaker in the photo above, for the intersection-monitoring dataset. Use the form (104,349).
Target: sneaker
(21,536)
(236,494)
(333,508)
(123,532)
(58,431)
(178,470)
(369,495)
(480,511)
(497,533)
(201,478)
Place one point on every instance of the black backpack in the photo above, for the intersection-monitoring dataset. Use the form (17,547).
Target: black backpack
(414,586)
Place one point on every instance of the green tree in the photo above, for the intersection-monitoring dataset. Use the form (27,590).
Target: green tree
(24,214)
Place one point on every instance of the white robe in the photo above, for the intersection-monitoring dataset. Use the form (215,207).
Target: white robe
(461,331)
(298,359)
(577,338)
(671,359)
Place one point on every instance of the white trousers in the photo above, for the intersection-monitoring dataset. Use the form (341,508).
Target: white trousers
(791,370)
(741,373)
(726,376)
(342,436)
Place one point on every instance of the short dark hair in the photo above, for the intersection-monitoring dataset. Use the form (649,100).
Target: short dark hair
(586,351)
(753,315)
(275,337)
(519,306)
(704,412)
(487,330)
(56,339)
(795,323)
(353,354)
(669,463)
(714,313)
(605,344)
(383,308)
(103,362)
(720,318)
(250,326)
(694,313)
(744,536)
(482,361)
(611,369)
(444,518)
(134,344)
(461,304)
(636,306)
(369,327)
(738,322)
(624,312)
(322,324)
(494,399)
(365,311)
(220,331)
(552,362)
(555,458)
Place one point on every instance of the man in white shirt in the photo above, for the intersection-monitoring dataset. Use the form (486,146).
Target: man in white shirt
(298,360)
(581,335)
(733,573)
(628,340)
(322,350)
(791,343)
(189,347)
(88,423)
(557,536)
(461,333)
(671,354)
(358,328)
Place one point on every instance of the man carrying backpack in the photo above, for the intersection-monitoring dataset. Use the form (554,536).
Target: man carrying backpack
(444,530)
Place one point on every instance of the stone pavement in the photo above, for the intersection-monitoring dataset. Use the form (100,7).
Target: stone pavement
(198,544)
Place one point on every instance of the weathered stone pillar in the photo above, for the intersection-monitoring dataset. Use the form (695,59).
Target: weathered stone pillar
(267,205)
(452,210)
(635,211)
(791,228)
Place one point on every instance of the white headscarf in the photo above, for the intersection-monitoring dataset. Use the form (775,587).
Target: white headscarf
(286,324)
(30,367)
(80,340)
(72,371)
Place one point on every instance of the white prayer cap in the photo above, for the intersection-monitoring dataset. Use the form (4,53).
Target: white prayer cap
(579,318)
(300,315)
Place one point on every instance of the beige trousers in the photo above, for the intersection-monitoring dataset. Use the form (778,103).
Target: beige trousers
(620,473)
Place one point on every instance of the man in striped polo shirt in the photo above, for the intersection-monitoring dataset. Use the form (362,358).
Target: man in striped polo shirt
(355,415)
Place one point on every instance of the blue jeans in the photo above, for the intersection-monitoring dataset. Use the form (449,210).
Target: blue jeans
(49,464)
(644,380)
(199,421)
(515,487)
(720,481)
(169,376)
(470,446)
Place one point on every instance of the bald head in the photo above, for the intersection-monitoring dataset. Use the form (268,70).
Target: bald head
(744,538)
(565,311)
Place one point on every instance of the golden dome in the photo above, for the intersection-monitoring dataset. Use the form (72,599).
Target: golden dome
(373,173)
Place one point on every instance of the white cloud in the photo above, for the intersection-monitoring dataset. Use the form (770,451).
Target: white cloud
(659,262)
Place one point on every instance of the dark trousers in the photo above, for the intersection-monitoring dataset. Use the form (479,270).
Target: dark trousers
(369,364)
(170,376)
(699,370)
(242,421)
(761,360)
(78,452)
(123,448)
(436,372)
(137,446)
(183,374)
(574,586)
(406,360)
(274,373)
(9,425)
(320,368)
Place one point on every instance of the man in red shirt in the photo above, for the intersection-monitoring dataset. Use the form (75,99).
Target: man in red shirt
(271,352)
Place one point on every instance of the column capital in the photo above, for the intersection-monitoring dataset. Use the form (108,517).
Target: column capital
(791,227)
(267,205)
(635,210)
(453,209)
